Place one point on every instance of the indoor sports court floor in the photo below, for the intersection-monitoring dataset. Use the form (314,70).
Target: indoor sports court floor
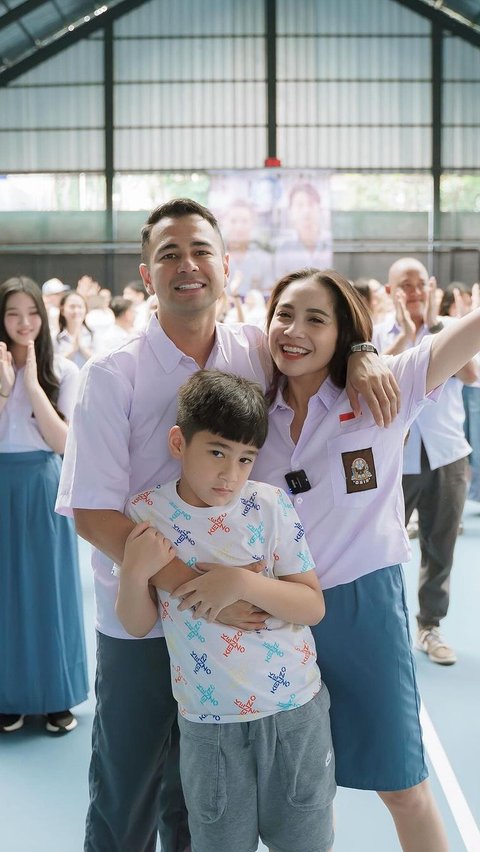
(43,780)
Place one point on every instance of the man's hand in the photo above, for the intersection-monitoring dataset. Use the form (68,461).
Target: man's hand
(146,551)
(475,296)
(369,376)
(403,317)
(430,315)
(461,308)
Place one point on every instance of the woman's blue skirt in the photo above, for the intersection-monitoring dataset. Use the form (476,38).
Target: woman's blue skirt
(43,666)
(365,657)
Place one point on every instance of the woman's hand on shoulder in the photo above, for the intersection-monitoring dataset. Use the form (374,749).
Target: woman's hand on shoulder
(369,376)
(7,373)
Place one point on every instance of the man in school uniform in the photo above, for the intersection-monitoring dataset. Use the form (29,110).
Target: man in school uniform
(435,454)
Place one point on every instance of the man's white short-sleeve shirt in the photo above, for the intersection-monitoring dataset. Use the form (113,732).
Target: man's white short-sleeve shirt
(117,441)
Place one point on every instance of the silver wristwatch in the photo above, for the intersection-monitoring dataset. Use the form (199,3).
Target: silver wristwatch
(363,347)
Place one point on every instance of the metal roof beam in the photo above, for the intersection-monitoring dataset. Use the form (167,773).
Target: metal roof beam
(16,14)
(10,73)
(446,22)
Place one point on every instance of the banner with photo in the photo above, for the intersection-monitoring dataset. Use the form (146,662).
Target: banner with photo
(273,222)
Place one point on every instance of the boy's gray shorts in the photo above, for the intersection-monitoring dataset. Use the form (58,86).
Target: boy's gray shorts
(273,777)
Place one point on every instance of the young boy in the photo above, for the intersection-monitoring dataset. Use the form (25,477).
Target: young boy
(256,752)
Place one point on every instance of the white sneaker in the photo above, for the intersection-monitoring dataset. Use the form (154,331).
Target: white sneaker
(60,723)
(10,722)
(430,641)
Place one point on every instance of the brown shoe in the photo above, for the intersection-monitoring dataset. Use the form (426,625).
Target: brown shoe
(429,640)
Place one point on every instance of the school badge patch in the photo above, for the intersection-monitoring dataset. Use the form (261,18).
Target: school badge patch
(360,473)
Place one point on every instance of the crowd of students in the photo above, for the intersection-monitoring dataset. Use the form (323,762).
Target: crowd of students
(206,571)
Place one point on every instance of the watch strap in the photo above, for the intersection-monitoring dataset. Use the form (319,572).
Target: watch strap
(363,347)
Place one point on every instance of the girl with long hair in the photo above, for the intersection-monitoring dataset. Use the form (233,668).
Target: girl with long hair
(43,661)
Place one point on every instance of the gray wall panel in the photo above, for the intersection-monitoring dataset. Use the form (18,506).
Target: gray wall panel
(339,148)
(209,148)
(189,59)
(358,57)
(200,17)
(354,103)
(47,150)
(348,16)
(461,148)
(461,60)
(461,105)
(56,106)
(189,105)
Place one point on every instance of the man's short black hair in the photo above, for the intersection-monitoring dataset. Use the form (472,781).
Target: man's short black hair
(177,208)
(138,286)
(226,405)
(120,306)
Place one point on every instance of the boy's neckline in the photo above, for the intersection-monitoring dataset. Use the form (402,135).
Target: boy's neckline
(190,508)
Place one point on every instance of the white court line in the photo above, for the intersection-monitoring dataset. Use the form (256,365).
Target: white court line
(462,814)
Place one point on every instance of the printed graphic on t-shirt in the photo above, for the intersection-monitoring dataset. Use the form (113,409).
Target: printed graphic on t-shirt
(220,673)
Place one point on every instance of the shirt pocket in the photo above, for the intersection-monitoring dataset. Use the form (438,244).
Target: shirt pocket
(356,461)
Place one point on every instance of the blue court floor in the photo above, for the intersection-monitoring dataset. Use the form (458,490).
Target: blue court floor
(43,780)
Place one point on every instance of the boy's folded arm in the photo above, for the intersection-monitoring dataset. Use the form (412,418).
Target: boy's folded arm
(173,575)
(296,598)
(300,602)
(136,604)
(239,614)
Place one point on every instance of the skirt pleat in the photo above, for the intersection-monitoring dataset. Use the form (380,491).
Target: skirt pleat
(43,666)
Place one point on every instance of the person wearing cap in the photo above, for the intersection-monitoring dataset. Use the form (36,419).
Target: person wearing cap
(52,292)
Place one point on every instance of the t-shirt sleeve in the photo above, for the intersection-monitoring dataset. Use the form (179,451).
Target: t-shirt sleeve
(292,554)
(139,508)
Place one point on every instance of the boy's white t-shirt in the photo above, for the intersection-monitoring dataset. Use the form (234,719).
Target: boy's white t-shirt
(220,674)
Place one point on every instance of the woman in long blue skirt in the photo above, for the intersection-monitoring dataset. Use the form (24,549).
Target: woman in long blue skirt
(43,667)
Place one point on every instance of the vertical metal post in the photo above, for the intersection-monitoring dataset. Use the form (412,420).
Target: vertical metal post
(108,141)
(271,56)
(437,95)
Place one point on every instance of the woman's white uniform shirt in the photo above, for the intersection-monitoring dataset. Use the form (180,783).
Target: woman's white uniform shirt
(19,432)
(354,512)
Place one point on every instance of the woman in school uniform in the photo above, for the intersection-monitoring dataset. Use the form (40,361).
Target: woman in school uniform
(344,475)
(43,666)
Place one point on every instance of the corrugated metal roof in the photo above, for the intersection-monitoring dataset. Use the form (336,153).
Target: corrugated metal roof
(465,13)
(29,26)
(467,10)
